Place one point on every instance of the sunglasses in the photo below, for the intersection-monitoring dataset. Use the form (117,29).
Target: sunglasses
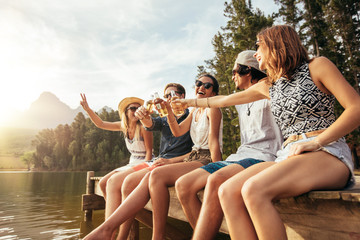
(169,95)
(207,85)
(132,108)
(257,45)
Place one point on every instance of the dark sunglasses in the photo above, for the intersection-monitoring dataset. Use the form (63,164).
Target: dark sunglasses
(169,95)
(207,85)
(132,108)
(256,45)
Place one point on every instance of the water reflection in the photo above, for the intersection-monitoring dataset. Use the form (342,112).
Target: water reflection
(41,205)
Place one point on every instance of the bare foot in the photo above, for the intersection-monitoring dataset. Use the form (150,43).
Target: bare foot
(99,233)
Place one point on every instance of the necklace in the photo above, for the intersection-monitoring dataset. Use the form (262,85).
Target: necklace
(248,108)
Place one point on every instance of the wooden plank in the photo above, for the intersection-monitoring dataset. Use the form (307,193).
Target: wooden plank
(92,202)
(171,232)
(307,218)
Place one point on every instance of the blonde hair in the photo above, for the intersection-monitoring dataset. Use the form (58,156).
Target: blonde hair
(125,124)
(283,49)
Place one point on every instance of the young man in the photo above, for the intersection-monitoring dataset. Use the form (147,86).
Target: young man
(260,140)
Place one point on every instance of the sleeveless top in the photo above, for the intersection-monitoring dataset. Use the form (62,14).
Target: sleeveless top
(260,135)
(136,149)
(199,131)
(299,106)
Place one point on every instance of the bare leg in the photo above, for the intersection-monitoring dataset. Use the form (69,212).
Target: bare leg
(113,190)
(103,183)
(160,179)
(129,207)
(187,188)
(211,208)
(237,218)
(131,183)
(292,177)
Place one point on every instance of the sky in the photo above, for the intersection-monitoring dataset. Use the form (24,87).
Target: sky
(107,49)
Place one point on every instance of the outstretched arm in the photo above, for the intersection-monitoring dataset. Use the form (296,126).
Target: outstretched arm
(254,93)
(112,126)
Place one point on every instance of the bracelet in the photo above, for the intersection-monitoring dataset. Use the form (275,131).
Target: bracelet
(207,102)
(196,102)
(318,143)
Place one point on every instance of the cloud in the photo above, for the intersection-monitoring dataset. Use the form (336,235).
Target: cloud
(109,49)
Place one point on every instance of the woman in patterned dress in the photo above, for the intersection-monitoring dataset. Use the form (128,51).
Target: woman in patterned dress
(314,154)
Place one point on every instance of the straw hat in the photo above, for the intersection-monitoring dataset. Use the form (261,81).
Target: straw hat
(127,101)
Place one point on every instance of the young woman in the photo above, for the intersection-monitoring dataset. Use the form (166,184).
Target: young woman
(314,154)
(138,141)
(207,145)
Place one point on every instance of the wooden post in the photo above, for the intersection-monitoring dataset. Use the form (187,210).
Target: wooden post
(134,231)
(89,190)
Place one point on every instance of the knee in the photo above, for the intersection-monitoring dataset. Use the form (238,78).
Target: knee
(103,184)
(227,193)
(113,184)
(129,184)
(183,188)
(253,192)
(214,181)
(154,177)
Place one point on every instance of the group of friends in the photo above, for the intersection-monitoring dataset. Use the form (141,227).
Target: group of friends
(291,143)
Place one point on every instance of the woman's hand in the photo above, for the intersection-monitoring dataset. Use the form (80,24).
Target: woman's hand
(142,113)
(310,146)
(160,162)
(84,103)
(179,104)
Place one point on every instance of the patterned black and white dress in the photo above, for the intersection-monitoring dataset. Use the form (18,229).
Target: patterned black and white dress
(299,106)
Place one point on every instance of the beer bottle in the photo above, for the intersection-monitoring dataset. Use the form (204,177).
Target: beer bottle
(160,106)
(178,111)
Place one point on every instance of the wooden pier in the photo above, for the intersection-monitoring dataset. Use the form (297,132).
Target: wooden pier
(315,215)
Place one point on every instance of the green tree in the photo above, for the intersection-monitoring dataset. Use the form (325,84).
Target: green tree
(238,35)
(29,159)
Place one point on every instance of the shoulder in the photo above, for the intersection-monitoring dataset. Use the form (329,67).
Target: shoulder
(213,112)
(321,67)
(320,64)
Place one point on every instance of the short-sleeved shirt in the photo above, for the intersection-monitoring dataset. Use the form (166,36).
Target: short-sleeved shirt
(171,146)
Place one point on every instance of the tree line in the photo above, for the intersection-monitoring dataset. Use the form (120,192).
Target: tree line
(81,146)
(329,28)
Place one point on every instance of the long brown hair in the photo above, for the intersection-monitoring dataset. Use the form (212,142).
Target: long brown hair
(125,124)
(283,49)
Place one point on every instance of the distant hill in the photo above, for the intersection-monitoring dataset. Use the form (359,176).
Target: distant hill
(47,112)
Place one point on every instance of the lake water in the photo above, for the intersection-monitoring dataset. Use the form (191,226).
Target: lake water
(43,205)
(47,205)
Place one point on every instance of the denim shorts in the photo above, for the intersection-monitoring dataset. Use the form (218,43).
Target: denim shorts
(245,163)
(338,149)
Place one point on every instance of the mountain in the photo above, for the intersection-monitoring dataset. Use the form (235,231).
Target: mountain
(47,112)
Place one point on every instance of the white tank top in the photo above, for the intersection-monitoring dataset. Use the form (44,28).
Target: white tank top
(137,149)
(199,131)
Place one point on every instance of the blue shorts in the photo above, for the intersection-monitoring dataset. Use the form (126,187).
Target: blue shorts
(245,163)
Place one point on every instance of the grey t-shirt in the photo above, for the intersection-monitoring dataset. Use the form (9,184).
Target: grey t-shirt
(260,135)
